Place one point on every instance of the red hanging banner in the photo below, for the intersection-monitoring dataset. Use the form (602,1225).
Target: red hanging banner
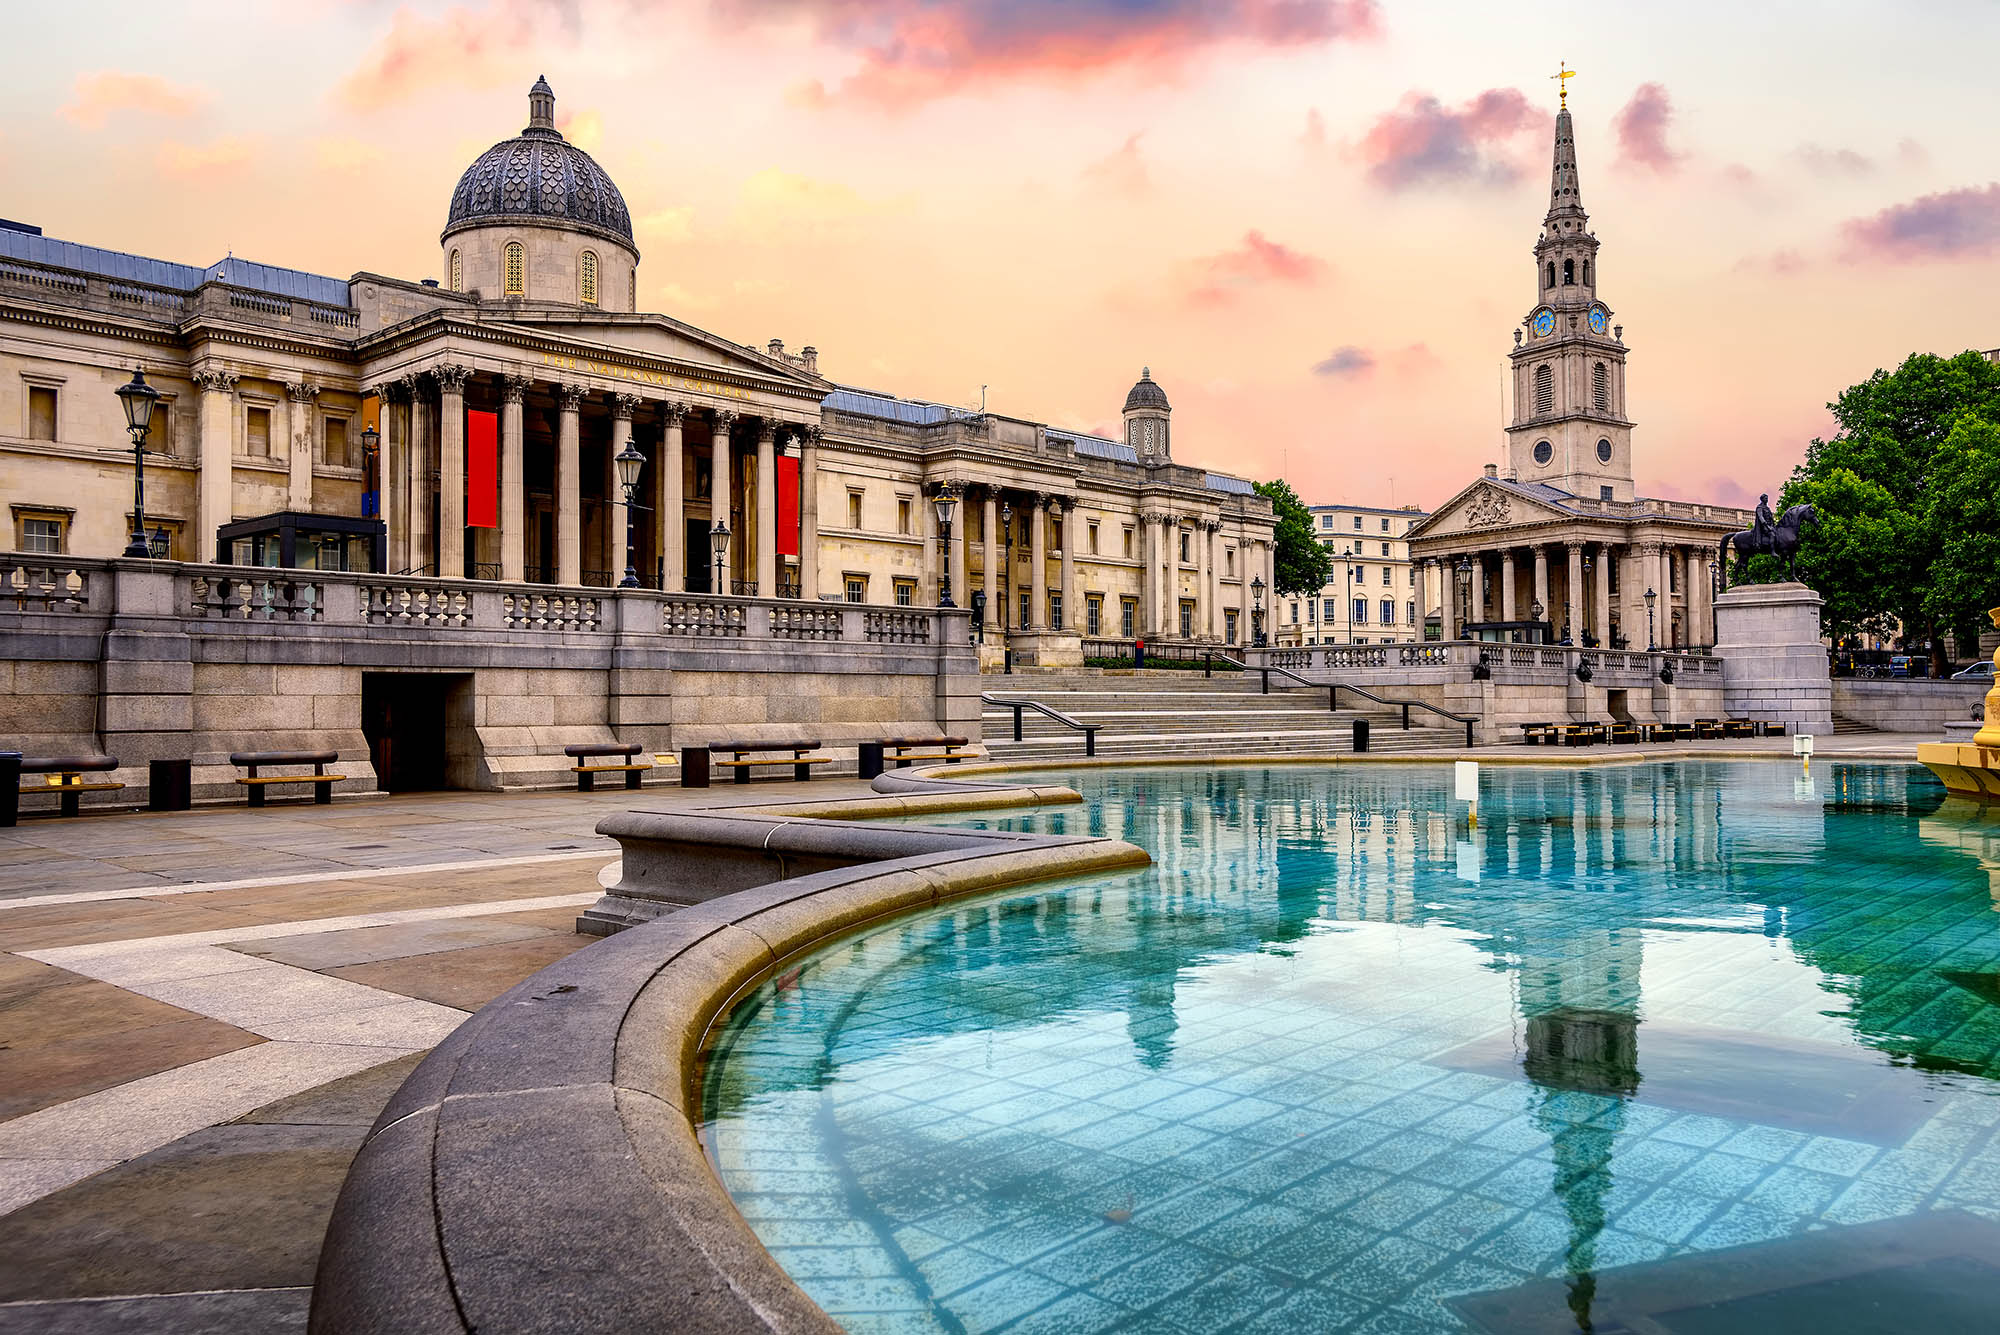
(788,506)
(482,469)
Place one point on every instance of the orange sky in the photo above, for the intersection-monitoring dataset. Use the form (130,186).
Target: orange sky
(1311,219)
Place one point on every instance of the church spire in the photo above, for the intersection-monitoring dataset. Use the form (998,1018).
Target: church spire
(1565,195)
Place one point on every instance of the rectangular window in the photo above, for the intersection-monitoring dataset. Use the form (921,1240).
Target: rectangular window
(1055,609)
(1093,537)
(1056,532)
(1295,614)
(1128,548)
(1385,525)
(1326,521)
(1357,523)
(1388,576)
(334,453)
(1409,614)
(257,432)
(1604,493)
(857,588)
(1229,625)
(1385,549)
(160,428)
(1187,621)
(1093,614)
(902,514)
(44,537)
(854,509)
(1184,547)
(906,593)
(1388,612)
(1229,560)
(41,413)
(1360,611)
(1128,613)
(1027,605)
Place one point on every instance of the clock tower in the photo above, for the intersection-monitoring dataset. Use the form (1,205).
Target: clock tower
(1570,428)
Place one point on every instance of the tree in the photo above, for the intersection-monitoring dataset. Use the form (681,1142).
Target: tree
(1302,565)
(1903,531)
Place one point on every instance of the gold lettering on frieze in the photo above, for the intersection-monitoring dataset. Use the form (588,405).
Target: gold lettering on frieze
(640,376)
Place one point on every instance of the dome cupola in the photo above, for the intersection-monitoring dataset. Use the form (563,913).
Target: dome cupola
(1146,420)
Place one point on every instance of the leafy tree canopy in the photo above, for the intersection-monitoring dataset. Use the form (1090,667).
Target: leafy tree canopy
(1303,566)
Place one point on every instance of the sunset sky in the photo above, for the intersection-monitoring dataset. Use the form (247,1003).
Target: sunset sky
(1311,220)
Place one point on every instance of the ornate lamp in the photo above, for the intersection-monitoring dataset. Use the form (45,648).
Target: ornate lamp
(1007,566)
(1257,610)
(139,398)
(1651,597)
(718,542)
(946,502)
(371,482)
(1464,572)
(627,463)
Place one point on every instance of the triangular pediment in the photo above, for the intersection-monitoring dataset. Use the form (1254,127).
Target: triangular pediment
(663,338)
(1489,504)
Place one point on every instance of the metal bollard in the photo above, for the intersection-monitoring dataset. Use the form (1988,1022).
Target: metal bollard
(694,767)
(870,760)
(170,785)
(10,788)
(1017,723)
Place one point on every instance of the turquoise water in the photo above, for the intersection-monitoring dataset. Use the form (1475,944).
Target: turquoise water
(1711,1046)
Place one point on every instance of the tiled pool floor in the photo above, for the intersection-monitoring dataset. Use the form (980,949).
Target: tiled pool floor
(1337,1062)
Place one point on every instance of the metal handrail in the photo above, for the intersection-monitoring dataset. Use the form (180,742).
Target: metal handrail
(1333,690)
(1089,730)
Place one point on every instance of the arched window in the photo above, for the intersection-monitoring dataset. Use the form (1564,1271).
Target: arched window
(1552,274)
(517,269)
(586,278)
(1545,389)
(457,272)
(1569,272)
(1586,273)
(1600,387)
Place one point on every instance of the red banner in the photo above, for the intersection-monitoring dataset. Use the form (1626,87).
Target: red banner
(788,506)
(482,469)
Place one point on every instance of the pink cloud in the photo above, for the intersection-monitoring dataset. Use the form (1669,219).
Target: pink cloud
(1954,224)
(1217,280)
(1783,263)
(1423,142)
(1641,126)
(221,158)
(102,93)
(1122,171)
(915,51)
(460,48)
(1314,137)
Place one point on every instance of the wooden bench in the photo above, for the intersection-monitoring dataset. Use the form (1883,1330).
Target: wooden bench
(1708,727)
(1580,734)
(1738,727)
(905,750)
(65,776)
(321,781)
(746,756)
(1625,732)
(586,773)
(1535,734)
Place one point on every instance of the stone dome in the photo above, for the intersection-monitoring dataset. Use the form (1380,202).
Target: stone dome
(1147,394)
(538,176)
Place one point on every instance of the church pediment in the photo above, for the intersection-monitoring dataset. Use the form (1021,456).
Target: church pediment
(1488,504)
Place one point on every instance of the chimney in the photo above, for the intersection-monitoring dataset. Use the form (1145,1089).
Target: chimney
(777,349)
(1493,470)
(809,358)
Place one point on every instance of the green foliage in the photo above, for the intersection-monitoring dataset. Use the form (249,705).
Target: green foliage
(1905,494)
(1302,565)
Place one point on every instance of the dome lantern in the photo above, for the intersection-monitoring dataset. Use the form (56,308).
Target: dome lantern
(1146,420)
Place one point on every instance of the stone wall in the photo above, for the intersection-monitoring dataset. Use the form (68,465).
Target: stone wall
(1903,705)
(158,660)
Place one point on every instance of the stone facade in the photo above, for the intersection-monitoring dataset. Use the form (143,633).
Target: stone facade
(271,378)
(1371,563)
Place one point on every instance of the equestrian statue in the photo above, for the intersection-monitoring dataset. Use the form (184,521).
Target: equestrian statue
(1777,537)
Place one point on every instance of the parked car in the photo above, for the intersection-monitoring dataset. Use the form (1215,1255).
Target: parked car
(1977,672)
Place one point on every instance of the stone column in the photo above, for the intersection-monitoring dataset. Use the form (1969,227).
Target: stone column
(569,483)
(996,610)
(954,555)
(451,470)
(1038,563)
(722,495)
(1448,601)
(301,395)
(218,454)
(1698,594)
(393,470)
(809,516)
(615,507)
(669,499)
(423,559)
(1212,535)
(1604,595)
(1542,579)
(1507,585)
(1478,612)
(513,482)
(767,509)
(1149,581)
(1072,597)
(1573,593)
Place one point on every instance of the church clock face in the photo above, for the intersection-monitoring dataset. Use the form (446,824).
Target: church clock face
(1545,323)
(1596,321)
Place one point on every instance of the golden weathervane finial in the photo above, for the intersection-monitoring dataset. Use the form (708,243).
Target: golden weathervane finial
(1562,76)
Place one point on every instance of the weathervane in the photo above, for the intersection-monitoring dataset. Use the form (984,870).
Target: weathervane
(1562,76)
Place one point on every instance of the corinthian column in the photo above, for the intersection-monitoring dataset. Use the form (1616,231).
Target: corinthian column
(767,509)
(569,484)
(513,483)
(1038,563)
(1072,598)
(809,515)
(617,510)
(1507,585)
(722,493)
(1573,593)
(1149,583)
(996,610)
(218,454)
(422,557)
(393,475)
(669,485)
(1542,579)
(301,395)
(451,470)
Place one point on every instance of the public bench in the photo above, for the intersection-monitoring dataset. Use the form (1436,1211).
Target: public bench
(1536,734)
(1624,732)
(903,752)
(1580,734)
(746,756)
(65,777)
(256,783)
(586,773)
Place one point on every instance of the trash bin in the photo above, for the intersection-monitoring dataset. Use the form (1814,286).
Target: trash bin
(694,767)
(10,788)
(1361,734)
(870,758)
(170,785)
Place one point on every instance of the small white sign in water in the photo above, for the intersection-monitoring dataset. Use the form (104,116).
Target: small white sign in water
(1465,776)
(1802,743)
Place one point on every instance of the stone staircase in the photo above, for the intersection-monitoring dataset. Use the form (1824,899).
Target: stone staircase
(1843,726)
(1152,714)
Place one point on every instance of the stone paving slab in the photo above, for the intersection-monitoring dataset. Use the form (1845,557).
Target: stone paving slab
(242,1312)
(469,978)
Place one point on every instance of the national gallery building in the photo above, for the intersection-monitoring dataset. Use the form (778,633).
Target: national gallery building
(471,428)
(1559,536)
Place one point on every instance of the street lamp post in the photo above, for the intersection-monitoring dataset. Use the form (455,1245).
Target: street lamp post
(1537,611)
(1347,564)
(1007,562)
(139,399)
(946,502)
(628,462)
(1650,598)
(1464,572)
(1714,588)
(1583,612)
(718,541)
(371,472)
(1257,611)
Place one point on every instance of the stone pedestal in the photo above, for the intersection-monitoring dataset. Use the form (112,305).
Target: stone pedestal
(1773,664)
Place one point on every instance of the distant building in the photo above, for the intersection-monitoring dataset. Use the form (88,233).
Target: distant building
(1374,595)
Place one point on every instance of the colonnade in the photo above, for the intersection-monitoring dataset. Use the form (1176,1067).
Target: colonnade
(1571,581)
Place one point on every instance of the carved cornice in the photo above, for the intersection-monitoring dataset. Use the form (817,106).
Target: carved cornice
(303,391)
(570,395)
(623,406)
(514,389)
(451,377)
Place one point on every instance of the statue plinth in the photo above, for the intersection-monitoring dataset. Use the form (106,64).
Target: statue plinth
(1773,664)
(1971,769)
